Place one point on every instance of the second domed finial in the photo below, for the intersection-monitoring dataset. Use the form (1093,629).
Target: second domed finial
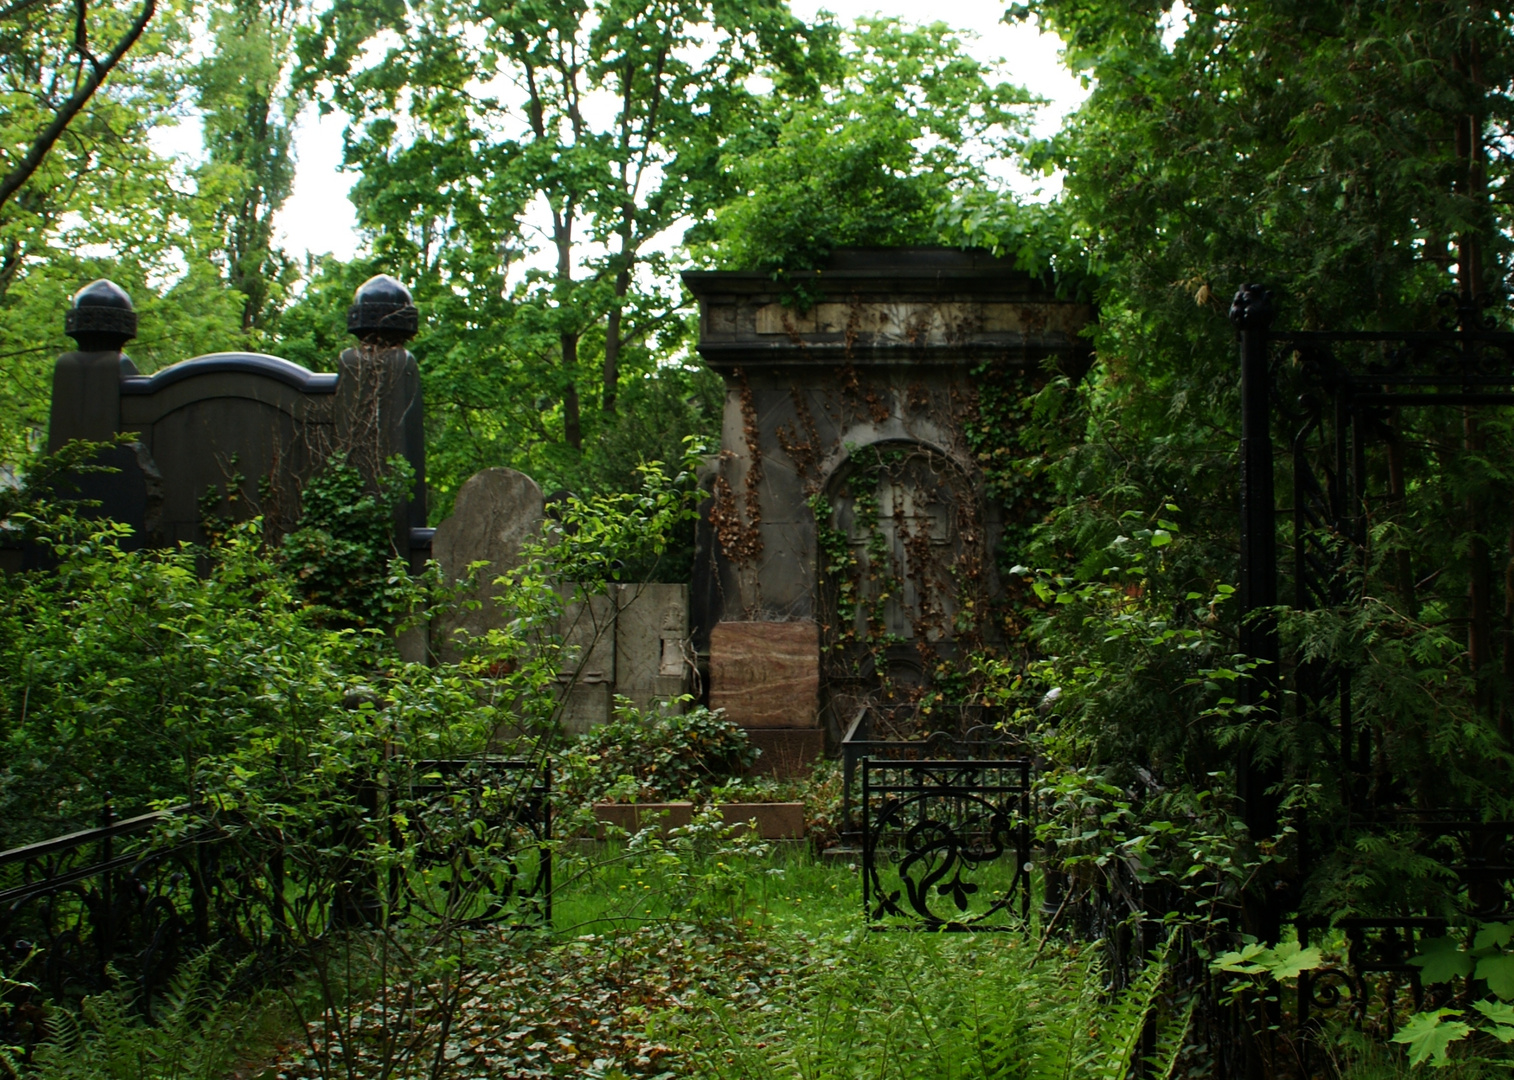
(382,312)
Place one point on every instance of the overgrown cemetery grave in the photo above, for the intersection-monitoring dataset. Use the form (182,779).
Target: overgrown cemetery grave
(496,813)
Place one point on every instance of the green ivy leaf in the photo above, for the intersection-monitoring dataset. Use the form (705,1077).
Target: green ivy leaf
(1442,960)
(1498,970)
(1493,934)
(1429,1036)
(1290,959)
(1161,538)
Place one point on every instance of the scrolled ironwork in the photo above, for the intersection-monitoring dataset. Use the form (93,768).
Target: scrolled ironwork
(481,831)
(935,834)
(1326,990)
(894,733)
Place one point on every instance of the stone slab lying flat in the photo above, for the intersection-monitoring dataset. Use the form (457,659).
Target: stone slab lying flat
(775,821)
(766,674)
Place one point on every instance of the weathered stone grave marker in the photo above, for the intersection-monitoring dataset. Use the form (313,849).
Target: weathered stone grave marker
(495,513)
(846,496)
(631,640)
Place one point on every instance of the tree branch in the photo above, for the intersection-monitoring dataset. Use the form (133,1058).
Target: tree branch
(71,108)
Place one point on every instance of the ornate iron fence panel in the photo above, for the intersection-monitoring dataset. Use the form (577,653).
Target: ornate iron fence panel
(138,896)
(901,733)
(74,904)
(946,844)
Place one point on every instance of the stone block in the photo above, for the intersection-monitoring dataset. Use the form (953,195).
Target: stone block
(653,655)
(585,706)
(495,513)
(766,674)
(775,821)
(586,670)
(633,817)
(587,626)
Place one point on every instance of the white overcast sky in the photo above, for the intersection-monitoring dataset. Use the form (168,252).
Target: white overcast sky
(318,218)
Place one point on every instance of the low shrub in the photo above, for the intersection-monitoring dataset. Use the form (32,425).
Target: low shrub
(652,757)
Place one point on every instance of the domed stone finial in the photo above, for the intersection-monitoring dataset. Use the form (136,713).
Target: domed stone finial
(382,312)
(102,317)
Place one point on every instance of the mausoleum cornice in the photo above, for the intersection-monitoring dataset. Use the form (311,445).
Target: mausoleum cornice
(818,355)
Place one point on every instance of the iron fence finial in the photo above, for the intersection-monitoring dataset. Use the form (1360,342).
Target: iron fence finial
(1252,308)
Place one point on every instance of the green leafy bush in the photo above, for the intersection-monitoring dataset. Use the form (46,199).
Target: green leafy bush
(654,757)
(136,675)
(341,550)
(1482,1036)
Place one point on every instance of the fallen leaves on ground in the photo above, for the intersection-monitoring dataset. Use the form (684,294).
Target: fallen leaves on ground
(542,1008)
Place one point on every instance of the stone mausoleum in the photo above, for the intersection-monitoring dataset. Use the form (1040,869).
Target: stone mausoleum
(847,546)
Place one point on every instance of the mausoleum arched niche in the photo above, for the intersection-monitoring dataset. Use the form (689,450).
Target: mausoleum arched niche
(902,570)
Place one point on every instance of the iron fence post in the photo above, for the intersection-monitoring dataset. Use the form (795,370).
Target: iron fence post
(1251,314)
(105,927)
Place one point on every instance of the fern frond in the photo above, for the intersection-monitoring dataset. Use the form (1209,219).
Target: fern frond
(1098,1035)
(1120,1038)
(1172,1036)
(196,1036)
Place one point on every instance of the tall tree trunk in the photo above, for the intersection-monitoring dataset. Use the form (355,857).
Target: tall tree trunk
(1479,570)
(612,342)
(1402,563)
(1472,185)
(562,237)
(572,422)
(1506,708)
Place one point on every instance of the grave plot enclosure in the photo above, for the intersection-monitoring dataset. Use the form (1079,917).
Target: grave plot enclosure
(846,494)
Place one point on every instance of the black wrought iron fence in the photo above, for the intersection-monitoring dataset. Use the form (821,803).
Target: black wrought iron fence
(503,868)
(903,733)
(71,905)
(469,842)
(948,845)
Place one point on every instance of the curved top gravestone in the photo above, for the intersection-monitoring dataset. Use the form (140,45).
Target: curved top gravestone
(495,513)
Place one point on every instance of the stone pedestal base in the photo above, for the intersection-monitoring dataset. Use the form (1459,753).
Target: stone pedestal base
(786,752)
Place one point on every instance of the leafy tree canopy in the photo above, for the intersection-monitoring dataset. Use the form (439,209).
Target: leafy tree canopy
(874,158)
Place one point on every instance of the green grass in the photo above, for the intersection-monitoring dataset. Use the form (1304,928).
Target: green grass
(602,886)
(703,958)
